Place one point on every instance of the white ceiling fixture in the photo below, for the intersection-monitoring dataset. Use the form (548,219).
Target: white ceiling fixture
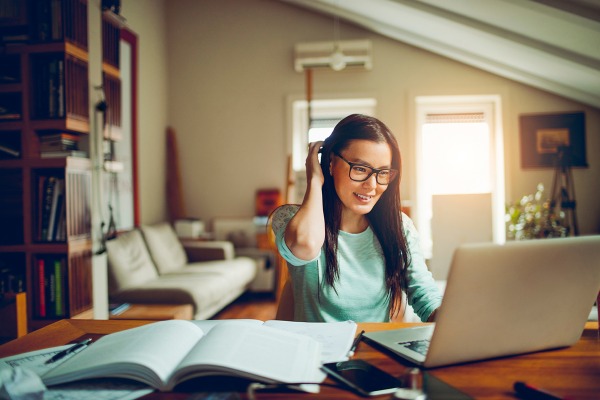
(336,55)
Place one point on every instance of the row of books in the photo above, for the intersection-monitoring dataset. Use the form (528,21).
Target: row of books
(60,145)
(58,142)
(52,220)
(57,20)
(49,89)
(49,287)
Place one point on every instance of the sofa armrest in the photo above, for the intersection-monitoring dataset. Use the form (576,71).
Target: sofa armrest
(208,251)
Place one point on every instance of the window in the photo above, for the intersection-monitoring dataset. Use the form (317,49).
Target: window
(458,151)
(325,115)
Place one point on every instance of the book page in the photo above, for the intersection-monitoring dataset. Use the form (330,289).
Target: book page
(148,354)
(207,324)
(254,352)
(335,337)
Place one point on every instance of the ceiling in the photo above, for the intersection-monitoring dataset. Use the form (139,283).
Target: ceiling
(552,45)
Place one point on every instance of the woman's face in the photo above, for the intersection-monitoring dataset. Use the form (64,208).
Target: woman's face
(360,197)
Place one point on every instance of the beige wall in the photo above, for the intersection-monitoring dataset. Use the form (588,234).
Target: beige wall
(147,19)
(220,72)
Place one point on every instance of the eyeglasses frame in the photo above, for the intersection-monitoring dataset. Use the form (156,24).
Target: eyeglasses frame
(375,171)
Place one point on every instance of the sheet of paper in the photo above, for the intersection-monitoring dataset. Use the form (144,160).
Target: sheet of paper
(104,389)
(34,360)
(336,337)
(99,389)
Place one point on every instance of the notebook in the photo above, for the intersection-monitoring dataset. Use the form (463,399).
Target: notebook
(503,300)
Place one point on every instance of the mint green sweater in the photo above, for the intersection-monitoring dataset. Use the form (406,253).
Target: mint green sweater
(360,294)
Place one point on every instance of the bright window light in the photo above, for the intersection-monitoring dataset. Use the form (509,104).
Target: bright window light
(456,158)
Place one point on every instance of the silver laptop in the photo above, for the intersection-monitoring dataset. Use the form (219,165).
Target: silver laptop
(502,300)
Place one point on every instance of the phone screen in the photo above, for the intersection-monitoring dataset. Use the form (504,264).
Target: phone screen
(363,377)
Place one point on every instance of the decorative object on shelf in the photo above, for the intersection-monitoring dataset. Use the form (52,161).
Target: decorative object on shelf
(542,135)
(267,200)
(532,217)
(189,227)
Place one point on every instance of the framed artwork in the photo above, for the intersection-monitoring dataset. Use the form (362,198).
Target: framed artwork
(544,137)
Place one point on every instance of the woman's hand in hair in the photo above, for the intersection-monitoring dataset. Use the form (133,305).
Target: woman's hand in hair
(305,233)
(313,167)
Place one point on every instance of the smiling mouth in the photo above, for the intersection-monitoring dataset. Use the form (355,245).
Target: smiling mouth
(363,197)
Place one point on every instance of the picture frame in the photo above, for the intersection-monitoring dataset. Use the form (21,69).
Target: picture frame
(545,137)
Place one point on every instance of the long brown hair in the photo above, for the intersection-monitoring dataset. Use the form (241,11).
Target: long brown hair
(385,218)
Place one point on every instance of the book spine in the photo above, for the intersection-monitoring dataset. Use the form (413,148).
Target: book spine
(58,213)
(52,92)
(58,297)
(60,90)
(56,193)
(61,230)
(50,288)
(41,290)
(47,205)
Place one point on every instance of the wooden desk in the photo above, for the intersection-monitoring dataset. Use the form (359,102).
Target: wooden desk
(573,372)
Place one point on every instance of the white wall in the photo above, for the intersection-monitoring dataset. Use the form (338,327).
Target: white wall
(219,72)
(147,19)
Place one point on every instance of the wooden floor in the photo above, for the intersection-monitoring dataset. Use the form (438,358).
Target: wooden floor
(260,306)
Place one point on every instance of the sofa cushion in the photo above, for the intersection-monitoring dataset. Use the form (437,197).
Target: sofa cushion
(129,263)
(208,286)
(165,248)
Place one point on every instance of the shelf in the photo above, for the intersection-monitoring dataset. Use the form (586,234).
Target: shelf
(57,47)
(46,82)
(62,124)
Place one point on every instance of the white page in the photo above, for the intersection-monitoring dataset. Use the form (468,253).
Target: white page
(335,337)
(35,360)
(267,352)
(207,324)
(159,346)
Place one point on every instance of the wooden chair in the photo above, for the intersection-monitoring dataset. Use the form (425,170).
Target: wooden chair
(285,294)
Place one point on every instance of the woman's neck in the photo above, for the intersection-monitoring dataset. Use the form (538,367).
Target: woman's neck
(353,223)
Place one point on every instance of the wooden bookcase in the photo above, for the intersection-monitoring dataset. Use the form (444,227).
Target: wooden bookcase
(45,218)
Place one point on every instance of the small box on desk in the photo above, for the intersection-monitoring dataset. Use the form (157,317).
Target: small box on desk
(189,228)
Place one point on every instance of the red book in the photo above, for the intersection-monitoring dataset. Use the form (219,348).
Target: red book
(41,288)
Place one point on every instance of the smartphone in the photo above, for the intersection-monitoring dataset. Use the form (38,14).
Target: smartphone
(362,377)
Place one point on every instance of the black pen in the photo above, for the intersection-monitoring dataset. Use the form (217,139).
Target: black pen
(70,350)
(526,391)
(355,344)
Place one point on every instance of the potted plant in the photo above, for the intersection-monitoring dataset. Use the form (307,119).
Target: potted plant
(532,217)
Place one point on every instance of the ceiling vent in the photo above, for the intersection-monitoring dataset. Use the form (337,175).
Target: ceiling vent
(335,55)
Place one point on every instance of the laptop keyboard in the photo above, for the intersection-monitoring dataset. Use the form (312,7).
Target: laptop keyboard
(419,346)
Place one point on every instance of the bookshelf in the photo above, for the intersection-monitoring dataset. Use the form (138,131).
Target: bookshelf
(45,175)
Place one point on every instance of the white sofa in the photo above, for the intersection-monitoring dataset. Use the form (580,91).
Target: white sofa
(150,265)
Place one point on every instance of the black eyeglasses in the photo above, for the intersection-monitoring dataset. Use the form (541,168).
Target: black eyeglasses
(360,172)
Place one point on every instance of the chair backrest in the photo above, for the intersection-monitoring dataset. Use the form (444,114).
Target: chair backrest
(285,307)
(285,294)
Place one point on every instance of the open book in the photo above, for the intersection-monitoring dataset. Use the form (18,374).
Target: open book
(166,353)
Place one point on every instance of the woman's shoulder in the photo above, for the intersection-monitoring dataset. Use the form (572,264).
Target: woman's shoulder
(282,215)
(407,224)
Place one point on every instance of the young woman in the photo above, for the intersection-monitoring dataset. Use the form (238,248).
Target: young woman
(350,251)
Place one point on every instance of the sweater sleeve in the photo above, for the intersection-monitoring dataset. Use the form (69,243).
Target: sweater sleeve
(423,293)
(281,218)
